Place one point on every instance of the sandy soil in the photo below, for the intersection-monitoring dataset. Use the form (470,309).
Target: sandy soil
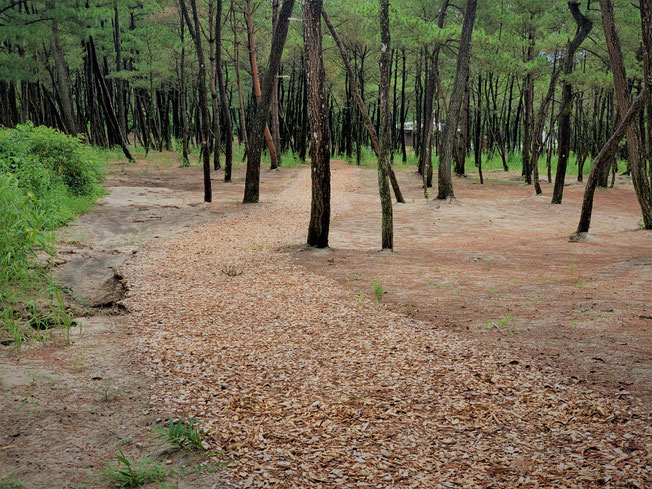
(307,383)
(66,410)
(235,321)
(498,250)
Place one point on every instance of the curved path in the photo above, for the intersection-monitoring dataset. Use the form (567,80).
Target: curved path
(304,384)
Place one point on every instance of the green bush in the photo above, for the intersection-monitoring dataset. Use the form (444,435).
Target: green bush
(46,179)
(20,232)
(61,172)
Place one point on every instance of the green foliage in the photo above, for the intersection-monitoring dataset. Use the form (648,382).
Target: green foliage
(186,435)
(504,324)
(21,230)
(379,290)
(130,473)
(9,483)
(46,179)
(60,171)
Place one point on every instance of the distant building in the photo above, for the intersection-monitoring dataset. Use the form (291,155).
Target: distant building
(410,128)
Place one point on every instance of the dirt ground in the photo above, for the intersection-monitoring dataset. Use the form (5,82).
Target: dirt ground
(66,410)
(498,250)
(494,269)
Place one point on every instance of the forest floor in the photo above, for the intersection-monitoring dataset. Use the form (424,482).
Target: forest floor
(487,350)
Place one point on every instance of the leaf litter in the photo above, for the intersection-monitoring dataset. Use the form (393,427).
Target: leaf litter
(303,387)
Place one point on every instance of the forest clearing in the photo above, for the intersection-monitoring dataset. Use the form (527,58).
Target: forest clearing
(327,243)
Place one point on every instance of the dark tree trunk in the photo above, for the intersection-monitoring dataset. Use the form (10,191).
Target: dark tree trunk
(640,179)
(63,78)
(224,101)
(252,179)
(385,132)
(256,83)
(584,26)
(604,159)
(445,182)
(363,111)
(320,210)
(194,27)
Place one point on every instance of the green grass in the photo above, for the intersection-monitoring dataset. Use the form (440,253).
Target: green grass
(9,483)
(130,473)
(46,179)
(379,290)
(182,434)
(504,324)
(491,161)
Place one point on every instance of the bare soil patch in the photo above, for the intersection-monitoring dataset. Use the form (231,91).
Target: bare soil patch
(67,409)
(499,251)
(306,383)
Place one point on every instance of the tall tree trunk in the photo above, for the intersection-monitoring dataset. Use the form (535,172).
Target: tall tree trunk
(385,132)
(445,183)
(584,26)
(194,27)
(640,179)
(528,100)
(215,123)
(256,81)
(119,83)
(243,122)
(320,210)
(224,101)
(432,76)
(373,136)
(63,78)
(537,135)
(276,126)
(182,96)
(604,159)
(252,179)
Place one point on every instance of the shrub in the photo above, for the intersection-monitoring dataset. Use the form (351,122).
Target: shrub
(61,172)
(20,232)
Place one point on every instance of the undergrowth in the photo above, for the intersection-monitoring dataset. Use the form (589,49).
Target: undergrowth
(491,161)
(130,473)
(46,179)
(182,434)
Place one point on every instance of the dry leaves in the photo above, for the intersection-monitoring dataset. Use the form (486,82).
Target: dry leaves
(304,388)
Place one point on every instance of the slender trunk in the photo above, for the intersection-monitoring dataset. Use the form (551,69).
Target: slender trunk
(256,81)
(319,153)
(224,101)
(445,183)
(604,158)
(252,179)
(584,26)
(194,27)
(63,85)
(358,99)
(243,121)
(385,132)
(528,98)
(640,179)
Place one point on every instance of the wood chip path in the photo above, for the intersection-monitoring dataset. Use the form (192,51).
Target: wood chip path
(306,386)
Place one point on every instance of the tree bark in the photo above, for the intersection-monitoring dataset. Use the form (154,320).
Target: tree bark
(319,152)
(361,107)
(256,82)
(195,33)
(252,179)
(243,121)
(61,68)
(224,100)
(445,183)
(584,26)
(604,159)
(385,132)
(623,97)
